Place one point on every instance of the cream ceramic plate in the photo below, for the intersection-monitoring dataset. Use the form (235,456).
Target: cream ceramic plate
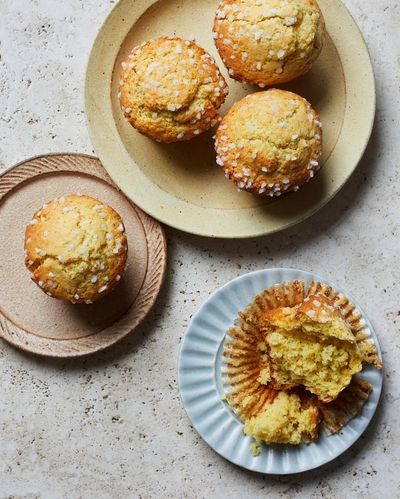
(179,184)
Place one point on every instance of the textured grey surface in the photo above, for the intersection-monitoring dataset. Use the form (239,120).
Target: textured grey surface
(113,425)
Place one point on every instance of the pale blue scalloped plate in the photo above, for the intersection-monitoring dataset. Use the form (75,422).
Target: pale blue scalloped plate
(200,384)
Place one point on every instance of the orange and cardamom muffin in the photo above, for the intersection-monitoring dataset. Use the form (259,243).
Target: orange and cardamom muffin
(76,248)
(171,89)
(289,419)
(288,354)
(270,143)
(267,42)
(311,345)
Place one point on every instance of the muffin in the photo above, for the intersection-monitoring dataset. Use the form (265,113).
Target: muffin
(76,248)
(311,345)
(287,354)
(270,143)
(289,419)
(267,42)
(170,89)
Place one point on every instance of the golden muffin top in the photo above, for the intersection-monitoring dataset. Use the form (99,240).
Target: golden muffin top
(311,345)
(76,248)
(171,89)
(270,142)
(268,42)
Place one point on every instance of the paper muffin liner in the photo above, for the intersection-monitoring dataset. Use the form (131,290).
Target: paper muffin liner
(246,395)
(349,404)
(287,294)
(245,361)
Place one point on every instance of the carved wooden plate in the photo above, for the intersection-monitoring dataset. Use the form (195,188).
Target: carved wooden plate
(31,320)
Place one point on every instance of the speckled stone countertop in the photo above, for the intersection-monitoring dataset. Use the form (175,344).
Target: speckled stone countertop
(112,425)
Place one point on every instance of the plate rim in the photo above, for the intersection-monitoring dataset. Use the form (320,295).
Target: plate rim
(95,109)
(82,163)
(310,275)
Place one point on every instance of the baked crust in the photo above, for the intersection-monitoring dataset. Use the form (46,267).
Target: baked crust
(268,42)
(270,143)
(76,248)
(171,89)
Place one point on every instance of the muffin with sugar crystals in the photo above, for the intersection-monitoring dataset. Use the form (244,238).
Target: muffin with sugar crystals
(270,143)
(76,248)
(171,89)
(267,42)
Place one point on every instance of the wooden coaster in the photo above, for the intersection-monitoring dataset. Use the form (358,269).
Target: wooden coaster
(31,320)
